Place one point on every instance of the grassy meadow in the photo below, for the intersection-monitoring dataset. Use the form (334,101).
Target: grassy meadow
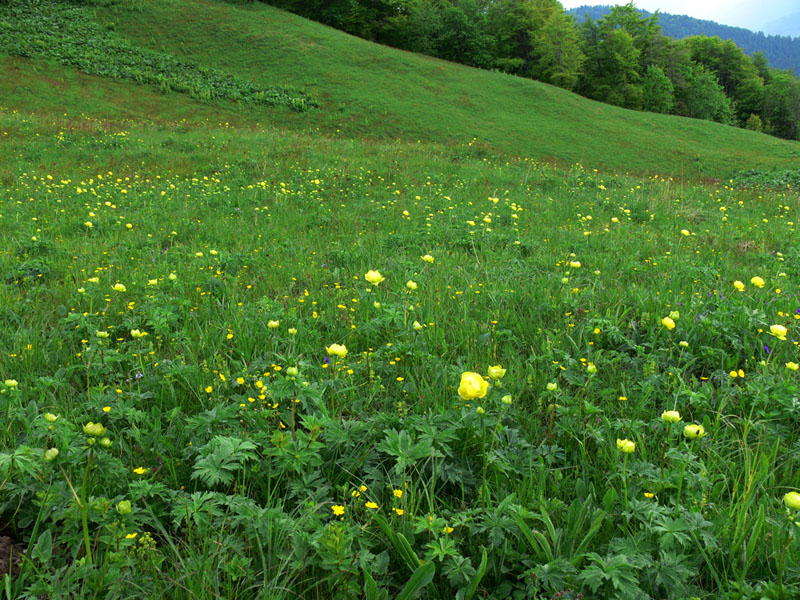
(246,355)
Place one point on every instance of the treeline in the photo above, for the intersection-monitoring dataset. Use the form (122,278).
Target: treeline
(623,58)
(783,52)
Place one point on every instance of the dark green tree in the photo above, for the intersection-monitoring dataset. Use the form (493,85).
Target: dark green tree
(658,92)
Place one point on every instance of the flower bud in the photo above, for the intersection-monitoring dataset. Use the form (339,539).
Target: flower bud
(792,500)
(50,417)
(626,446)
(124,507)
(291,371)
(552,386)
(671,416)
(94,429)
(497,372)
(693,431)
(480,410)
(105,442)
(50,454)
(506,399)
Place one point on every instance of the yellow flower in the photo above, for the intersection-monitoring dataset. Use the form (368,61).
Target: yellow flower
(273,324)
(792,366)
(496,372)
(209,389)
(372,505)
(411,284)
(506,400)
(88,224)
(575,264)
(136,334)
(552,386)
(50,417)
(338,510)
(693,431)
(397,493)
(118,287)
(152,282)
(292,331)
(93,280)
(131,536)
(684,344)
(625,446)
(339,350)
(668,323)
(11,383)
(738,285)
(140,470)
(671,416)
(472,386)
(757,281)
(418,326)
(649,495)
(685,232)
(374,277)
(427,258)
(792,500)
(399,511)
(779,331)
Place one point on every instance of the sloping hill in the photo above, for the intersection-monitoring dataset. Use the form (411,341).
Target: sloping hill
(374,92)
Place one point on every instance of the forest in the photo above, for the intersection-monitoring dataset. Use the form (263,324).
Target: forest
(622,58)
(783,52)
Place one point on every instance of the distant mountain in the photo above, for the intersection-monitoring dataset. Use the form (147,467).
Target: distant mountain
(788,25)
(782,52)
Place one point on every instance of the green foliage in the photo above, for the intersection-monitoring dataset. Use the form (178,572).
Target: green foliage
(657,90)
(53,29)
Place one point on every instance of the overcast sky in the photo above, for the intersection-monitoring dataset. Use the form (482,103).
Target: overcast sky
(751,14)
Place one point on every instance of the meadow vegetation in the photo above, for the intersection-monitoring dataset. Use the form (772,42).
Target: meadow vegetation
(242,361)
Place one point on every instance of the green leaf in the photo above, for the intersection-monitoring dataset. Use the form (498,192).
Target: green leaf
(44,548)
(419,579)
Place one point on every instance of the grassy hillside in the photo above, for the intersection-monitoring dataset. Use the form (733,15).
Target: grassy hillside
(369,91)
(244,356)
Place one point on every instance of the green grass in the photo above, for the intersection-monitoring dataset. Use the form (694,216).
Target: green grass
(178,271)
(368,91)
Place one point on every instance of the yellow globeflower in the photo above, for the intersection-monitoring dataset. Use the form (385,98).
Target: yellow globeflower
(671,416)
(496,372)
(668,323)
(757,281)
(118,287)
(792,366)
(779,331)
(738,285)
(374,277)
(411,284)
(273,324)
(427,258)
(625,446)
(693,431)
(472,386)
(339,350)
(792,500)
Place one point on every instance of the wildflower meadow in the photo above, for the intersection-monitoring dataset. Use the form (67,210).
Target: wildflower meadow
(246,361)
(393,374)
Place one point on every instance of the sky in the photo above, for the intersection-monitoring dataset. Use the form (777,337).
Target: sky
(750,14)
